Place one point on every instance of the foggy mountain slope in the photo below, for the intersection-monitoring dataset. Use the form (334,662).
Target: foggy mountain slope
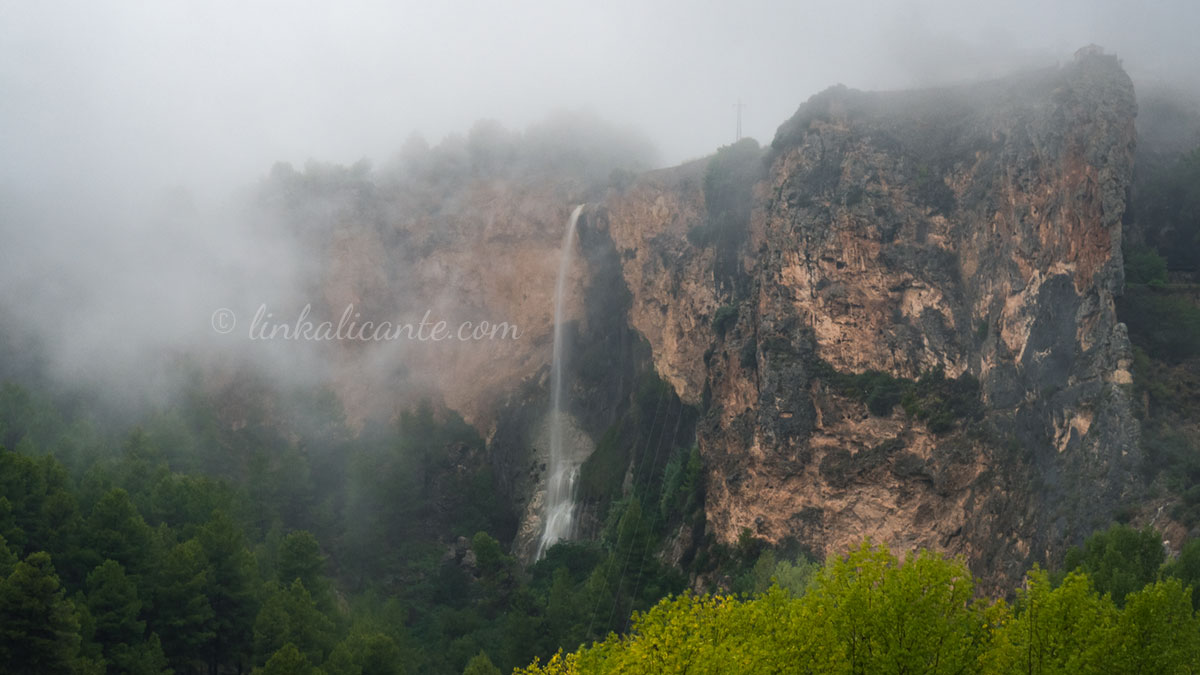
(920,345)
(467,231)
(968,231)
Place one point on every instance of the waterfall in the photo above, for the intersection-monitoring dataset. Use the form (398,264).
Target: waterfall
(563,470)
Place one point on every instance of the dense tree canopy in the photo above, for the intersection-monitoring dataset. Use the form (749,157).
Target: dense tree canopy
(872,612)
(134,561)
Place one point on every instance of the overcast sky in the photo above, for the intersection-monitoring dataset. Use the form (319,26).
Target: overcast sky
(107,109)
(209,95)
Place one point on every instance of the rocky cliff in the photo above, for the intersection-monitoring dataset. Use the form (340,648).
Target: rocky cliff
(927,352)
(478,243)
(487,251)
(897,320)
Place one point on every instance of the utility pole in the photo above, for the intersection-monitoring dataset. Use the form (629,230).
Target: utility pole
(739,105)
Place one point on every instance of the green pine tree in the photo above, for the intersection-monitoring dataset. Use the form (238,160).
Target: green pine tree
(290,616)
(287,661)
(39,628)
(481,665)
(181,614)
(366,654)
(300,558)
(116,531)
(230,583)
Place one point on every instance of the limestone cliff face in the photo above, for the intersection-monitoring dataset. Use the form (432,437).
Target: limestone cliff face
(671,280)
(486,249)
(975,231)
(968,238)
(489,254)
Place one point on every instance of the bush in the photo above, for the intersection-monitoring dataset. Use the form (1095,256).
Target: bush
(1166,204)
(728,198)
(748,356)
(1143,265)
(728,184)
(724,318)
(681,484)
(601,474)
(1167,326)
(1119,560)
(933,398)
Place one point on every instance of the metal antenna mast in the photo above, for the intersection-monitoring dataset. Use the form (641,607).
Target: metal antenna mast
(739,105)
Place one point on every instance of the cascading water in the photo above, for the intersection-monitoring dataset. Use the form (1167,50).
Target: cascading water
(563,470)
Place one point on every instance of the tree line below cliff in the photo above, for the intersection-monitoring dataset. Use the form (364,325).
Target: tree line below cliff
(117,559)
(1116,611)
(236,529)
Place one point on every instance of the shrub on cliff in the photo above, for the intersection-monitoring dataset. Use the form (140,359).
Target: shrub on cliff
(934,399)
(724,319)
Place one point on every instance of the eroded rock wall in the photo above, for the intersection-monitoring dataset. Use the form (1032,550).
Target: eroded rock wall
(972,230)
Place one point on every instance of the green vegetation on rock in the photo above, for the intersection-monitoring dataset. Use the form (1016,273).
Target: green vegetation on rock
(934,399)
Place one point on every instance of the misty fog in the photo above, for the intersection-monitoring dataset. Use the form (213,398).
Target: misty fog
(136,139)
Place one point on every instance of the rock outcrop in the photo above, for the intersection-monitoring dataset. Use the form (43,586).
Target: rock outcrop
(490,253)
(672,281)
(970,235)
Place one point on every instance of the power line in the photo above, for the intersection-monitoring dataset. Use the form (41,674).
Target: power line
(646,548)
(648,474)
(617,547)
